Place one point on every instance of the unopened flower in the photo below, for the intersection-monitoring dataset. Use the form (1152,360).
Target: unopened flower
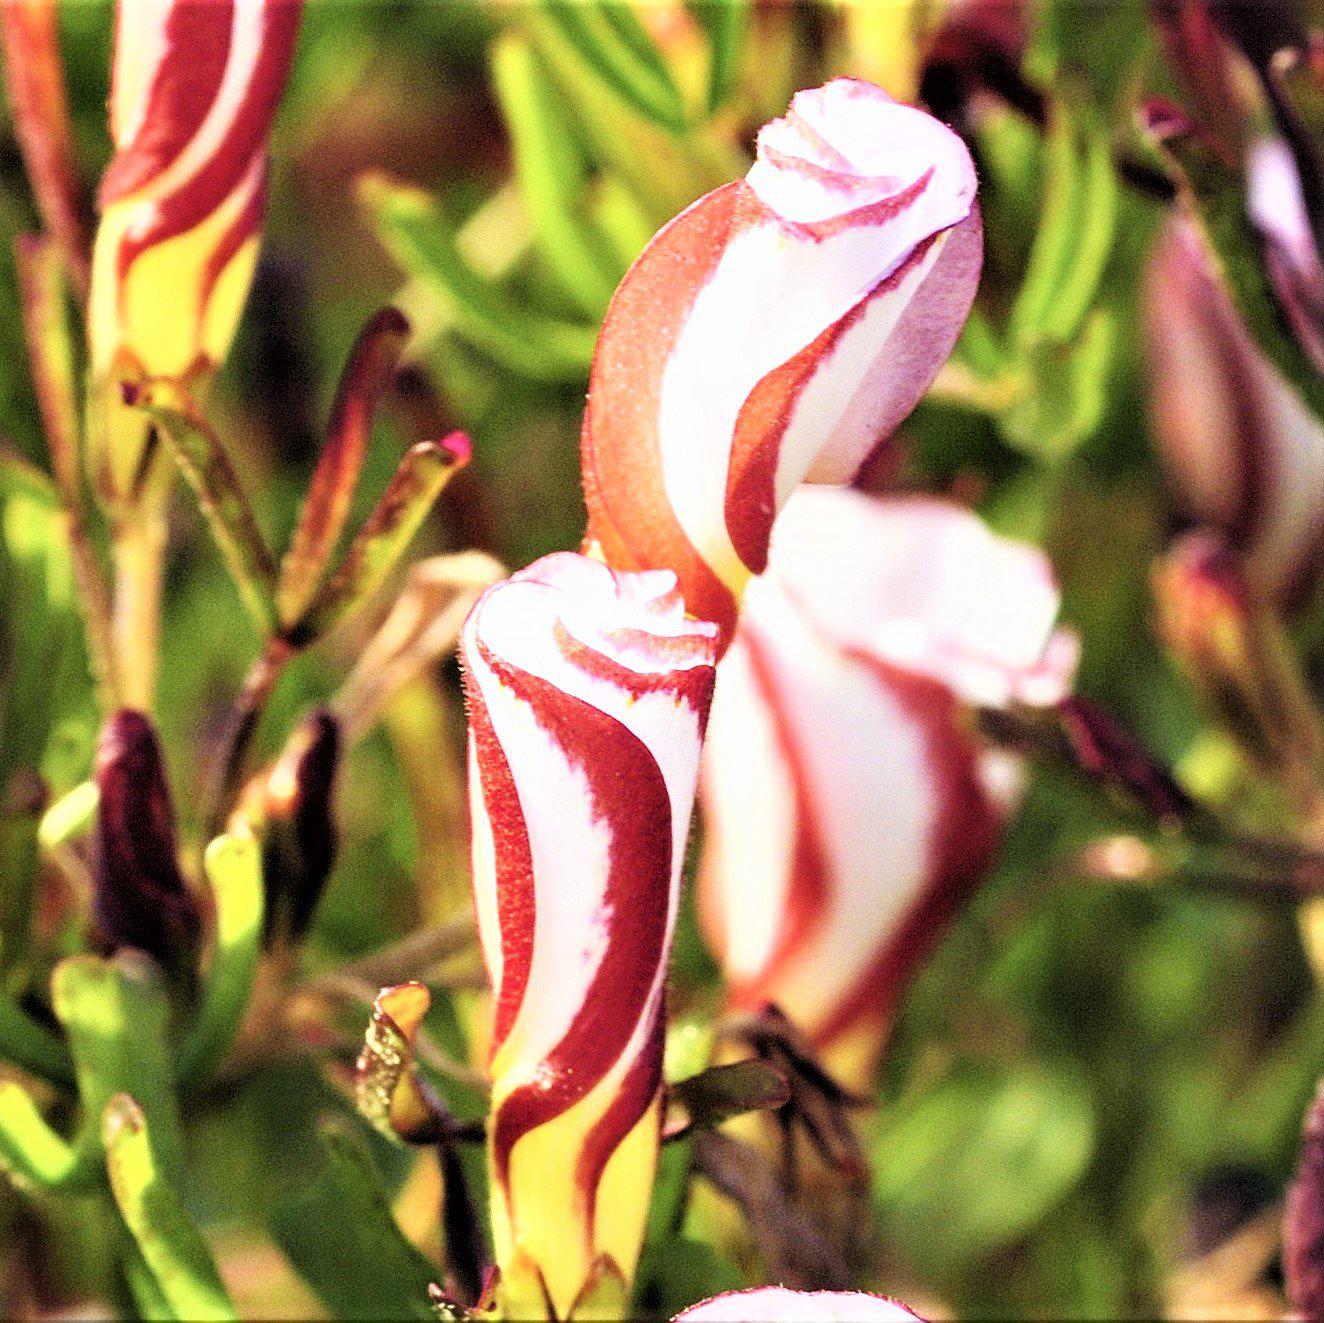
(140,898)
(1303,1221)
(291,808)
(1245,452)
(194,93)
(1233,649)
(778,330)
(778,1304)
(588,693)
(850,809)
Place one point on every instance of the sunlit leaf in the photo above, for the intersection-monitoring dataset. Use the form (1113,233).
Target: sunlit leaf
(234,872)
(971,1165)
(614,47)
(421,239)
(150,1204)
(339,1233)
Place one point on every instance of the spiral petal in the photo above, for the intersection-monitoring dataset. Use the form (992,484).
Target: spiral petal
(588,694)
(777,331)
(849,808)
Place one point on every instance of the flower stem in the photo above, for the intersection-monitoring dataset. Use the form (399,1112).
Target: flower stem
(138,549)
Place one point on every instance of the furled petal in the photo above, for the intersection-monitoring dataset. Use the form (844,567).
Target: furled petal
(194,93)
(588,693)
(774,332)
(1243,450)
(849,810)
(778,1304)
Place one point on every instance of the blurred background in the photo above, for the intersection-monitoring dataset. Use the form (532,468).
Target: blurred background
(1095,1083)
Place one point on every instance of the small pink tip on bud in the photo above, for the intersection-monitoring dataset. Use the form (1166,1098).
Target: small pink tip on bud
(1163,120)
(458,446)
(140,898)
(1235,652)
(1303,1220)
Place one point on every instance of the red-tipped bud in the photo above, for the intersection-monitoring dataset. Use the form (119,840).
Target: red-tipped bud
(140,898)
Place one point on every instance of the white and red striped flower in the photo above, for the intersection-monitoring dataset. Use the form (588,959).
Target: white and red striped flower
(849,808)
(1244,451)
(588,695)
(194,92)
(779,1304)
(776,331)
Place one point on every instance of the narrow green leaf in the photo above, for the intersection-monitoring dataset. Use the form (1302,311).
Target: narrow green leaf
(70,817)
(614,47)
(170,1244)
(552,175)
(1064,392)
(1079,279)
(30,1151)
(32,1046)
(422,241)
(724,22)
(43,303)
(339,1234)
(233,865)
(1055,235)
(423,473)
(40,635)
(206,465)
(116,1016)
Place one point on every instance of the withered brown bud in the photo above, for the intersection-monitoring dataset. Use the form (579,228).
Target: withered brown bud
(299,830)
(140,898)
(1303,1221)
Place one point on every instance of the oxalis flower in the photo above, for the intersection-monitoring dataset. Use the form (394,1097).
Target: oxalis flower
(776,331)
(778,1304)
(588,694)
(193,96)
(850,809)
(1242,448)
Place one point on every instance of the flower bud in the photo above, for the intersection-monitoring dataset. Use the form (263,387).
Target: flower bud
(1303,1221)
(193,96)
(292,809)
(778,1304)
(588,692)
(140,898)
(776,331)
(1243,450)
(850,809)
(1234,651)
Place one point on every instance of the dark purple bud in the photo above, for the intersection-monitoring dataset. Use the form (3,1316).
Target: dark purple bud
(1103,748)
(1303,1221)
(300,838)
(140,898)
